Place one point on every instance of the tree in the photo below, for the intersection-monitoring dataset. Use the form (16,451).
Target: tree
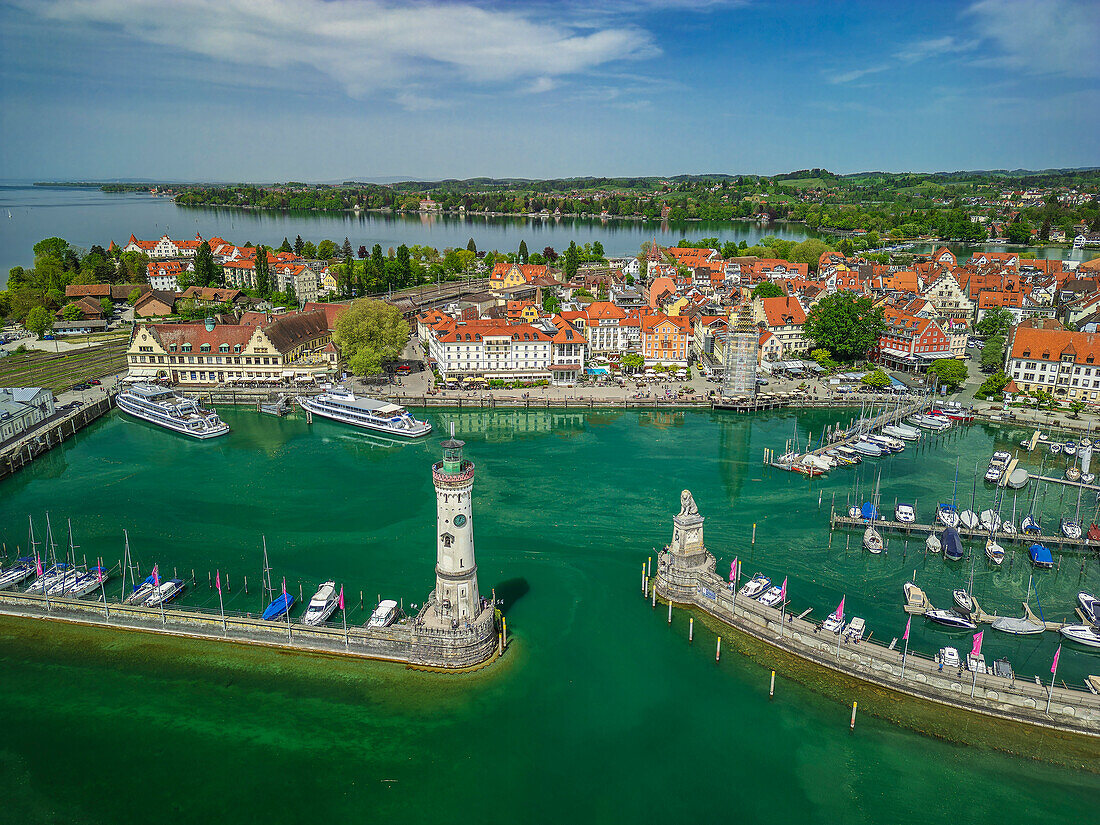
(299,245)
(369,333)
(71,312)
(550,303)
(132,298)
(993,353)
(326,250)
(285,246)
(523,252)
(346,248)
(550,254)
(263,273)
(845,325)
(767,289)
(572,261)
(1018,232)
(950,371)
(845,248)
(39,321)
(51,247)
(996,321)
(993,385)
(633,361)
(362,252)
(1075,408)
(206,271)
(809,252)
(107,307)
(309,251)
(877,379)
(597,250)
(404,264)
(471,246)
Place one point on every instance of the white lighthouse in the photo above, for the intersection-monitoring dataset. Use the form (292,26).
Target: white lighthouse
(456,595)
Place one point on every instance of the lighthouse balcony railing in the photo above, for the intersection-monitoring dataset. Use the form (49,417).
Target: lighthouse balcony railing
(465,473)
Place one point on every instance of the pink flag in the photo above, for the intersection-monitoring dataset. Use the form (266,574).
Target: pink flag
(783,592)
(977,644)
(1057,653)
(840,610)
(905,635)
(733,570)
(156,576)
(284,585)
(341,597)
(99,573)
(218,581)
(38,564)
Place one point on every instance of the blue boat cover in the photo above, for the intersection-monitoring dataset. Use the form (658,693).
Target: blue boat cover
(868,512)
(148,580)
(280,606)
(952,544)
(1040,554)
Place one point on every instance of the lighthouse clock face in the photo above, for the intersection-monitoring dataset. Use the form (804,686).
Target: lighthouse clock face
(460,520)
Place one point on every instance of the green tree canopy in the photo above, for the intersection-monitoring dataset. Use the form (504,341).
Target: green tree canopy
(1018,232)
(877,379)
(950,371)
(993,353)
(285,246)
(633,361)
(208,273)
(523,252)
(326,250)
(369,333)
(846,325)
(107,307)
(132,298)
(809,252)
(52,247)
(71,312)
(996,321)
(992,385)
(768,289)
(39,321)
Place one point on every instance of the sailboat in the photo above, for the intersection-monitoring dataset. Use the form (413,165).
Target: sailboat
(872,539)
(948,514)
(1071,529)
(932,543)
(1030,526)
(279,606)
(968,518)
(993,551)
(1026,625)
(952,544)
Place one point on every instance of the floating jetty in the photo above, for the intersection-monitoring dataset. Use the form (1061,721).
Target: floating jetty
(686,575)
(911,529)
(455,629)
(979,616)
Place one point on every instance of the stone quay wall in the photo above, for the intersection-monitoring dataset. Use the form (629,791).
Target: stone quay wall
(1075,711)
(409,642)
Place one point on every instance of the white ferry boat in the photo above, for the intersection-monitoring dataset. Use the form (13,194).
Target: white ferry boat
(341,405)
(168,409)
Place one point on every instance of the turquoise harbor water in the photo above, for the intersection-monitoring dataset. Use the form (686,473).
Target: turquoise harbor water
(600,711)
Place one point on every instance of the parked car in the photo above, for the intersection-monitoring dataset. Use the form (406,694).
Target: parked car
(95,382)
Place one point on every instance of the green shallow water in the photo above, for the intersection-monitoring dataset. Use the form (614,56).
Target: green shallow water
(600,712)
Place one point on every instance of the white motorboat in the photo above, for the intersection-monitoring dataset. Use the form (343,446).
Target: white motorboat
(914,596)
(855,630)
(948,515)
(872,540)
(905,514)
(832,624)
(895,445)
(344,406)
(993,475)
(1002,457)
(1088,478)
(322,605)
(1073,474)
(949,657)
(755,586)
(1071,529)
(867,448)
(168,409)
(1090,604)
(932,543)
(1083,634)
(988,520)
(963,601)
(949,618)
(975,663)
(167,591)
(384,614)
(994,552)
(1069,448)
(1055,448)
(928,422)
(849,453)
(855,512)
(901,431)
(969,519)
(772,597)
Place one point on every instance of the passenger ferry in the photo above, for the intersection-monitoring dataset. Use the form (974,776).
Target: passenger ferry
(341,405)
(165,408)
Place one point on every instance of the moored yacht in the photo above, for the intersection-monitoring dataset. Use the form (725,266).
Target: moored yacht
(341,405)
(948,515)
(949,618)
(994,552)
(88,582)
(755,586)
(1041,557)
(322,605)
(905,513)
(969,519)
(16,573)
(1030,526)
(1071,529)
(952,544)
(384,614)
(773,597)
(168,409)
(932,543)
(872,540)
(1084,634)
(167,591)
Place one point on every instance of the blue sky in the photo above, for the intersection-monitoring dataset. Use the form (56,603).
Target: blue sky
(270,90)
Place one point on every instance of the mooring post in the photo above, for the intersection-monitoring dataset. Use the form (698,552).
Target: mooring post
(504,631)
(771,690)
(653,595)
(246,585)
(853,725)
(670,611)
(643,579)
(649,566)
(754,533)
(718,650)
(691,629)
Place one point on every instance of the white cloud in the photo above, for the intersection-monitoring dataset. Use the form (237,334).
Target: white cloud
(366,45)
(855,74)
(1053,37)
(540,85)
(923,49)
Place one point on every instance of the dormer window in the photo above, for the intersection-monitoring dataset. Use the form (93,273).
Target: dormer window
(223,348)
(186,348)
(236,348)
(204,348)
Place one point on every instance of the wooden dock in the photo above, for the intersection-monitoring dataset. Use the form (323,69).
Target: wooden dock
(979,616)
(920,531)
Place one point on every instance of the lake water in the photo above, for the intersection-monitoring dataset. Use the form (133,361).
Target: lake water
(600,711)
(87,216)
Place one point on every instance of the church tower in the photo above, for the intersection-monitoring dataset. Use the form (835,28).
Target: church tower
(456,595)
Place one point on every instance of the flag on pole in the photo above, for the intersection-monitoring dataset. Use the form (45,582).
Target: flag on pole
(284,585)
(99,573)
(733,570)
(156,576)
(37,564)
(1057,653)
(218,581)
(783,591)
(840,610)
(905,635)
(341,597)
(977,644)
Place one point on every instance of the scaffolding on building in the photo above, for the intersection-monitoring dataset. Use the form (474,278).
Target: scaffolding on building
(740,356)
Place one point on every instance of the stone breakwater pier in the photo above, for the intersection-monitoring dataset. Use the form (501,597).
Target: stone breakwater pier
(455,629)
(686,576)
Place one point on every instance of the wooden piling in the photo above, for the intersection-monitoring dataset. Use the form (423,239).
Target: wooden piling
(691,629)
(718,650)
(853,724)
(771,690)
